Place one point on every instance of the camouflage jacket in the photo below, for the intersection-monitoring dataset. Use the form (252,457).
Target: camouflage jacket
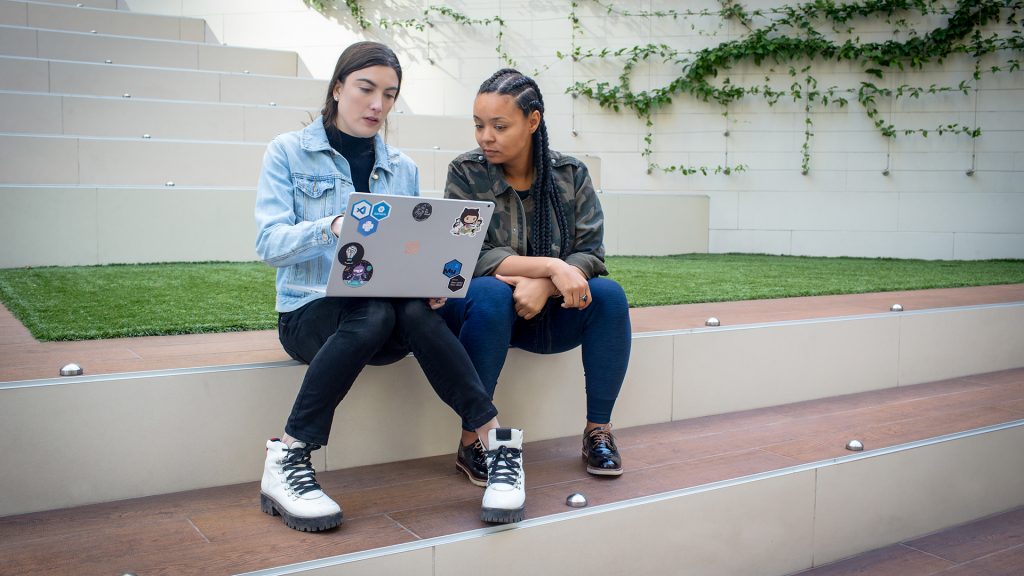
(471,177)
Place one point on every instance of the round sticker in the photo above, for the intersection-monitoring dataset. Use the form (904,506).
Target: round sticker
(350,253)
(357,274)
(422,211)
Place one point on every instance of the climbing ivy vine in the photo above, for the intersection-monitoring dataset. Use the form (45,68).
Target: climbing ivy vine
(789,40)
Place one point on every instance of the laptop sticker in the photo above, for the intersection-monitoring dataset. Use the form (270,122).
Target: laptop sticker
(357,274)
(456,283)
(412,247)
(350,253)
(452,268)
(367,226)
(468,224)
(422,211)
(381,210)
(360,210)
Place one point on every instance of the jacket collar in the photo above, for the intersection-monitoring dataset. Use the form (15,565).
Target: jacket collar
(314,139)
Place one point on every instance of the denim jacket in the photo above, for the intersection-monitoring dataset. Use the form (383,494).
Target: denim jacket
(303,186)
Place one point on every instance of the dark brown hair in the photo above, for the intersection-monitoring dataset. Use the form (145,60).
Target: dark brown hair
(356,57)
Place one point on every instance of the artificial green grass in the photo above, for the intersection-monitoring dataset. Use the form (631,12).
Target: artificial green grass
(88,302)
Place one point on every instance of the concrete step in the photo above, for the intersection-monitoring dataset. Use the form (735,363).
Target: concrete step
(770,491)
(64,16)
(106,116)
(117,80)
(101,48)
(673,376)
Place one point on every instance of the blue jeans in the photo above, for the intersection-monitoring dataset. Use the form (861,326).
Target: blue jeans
(337,337)
(486,324)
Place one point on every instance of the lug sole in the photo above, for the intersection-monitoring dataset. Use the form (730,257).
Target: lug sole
(469,474)
(269,506)
(502,515)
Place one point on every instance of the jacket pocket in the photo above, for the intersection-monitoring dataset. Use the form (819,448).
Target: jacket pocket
(315,197)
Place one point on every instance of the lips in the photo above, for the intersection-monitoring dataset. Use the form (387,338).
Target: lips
(371,120)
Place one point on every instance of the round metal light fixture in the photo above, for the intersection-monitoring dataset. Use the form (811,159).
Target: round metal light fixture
(854,446)
(576,500)
(896,308)
(71,369)
(712,322)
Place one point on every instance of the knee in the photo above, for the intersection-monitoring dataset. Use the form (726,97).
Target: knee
(490,299)
(608,294)
(376,321)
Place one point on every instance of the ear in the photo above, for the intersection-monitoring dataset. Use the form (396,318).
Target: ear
(337,90)
(533,120)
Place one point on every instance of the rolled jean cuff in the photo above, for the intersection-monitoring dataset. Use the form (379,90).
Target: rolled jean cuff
(306,437)
(477,422)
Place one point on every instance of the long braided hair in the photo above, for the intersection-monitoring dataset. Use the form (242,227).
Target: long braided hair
(526,94)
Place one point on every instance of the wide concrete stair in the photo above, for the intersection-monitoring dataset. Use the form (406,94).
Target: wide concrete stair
(119,124)
(734,436)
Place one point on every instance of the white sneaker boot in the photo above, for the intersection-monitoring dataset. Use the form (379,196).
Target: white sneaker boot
(505,496)
(289,489)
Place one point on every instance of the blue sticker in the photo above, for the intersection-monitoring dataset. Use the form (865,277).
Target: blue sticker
(360,210)
(367,226)
(381,210)
(452,268)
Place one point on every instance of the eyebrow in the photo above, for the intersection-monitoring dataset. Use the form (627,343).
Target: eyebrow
(374,84)
(496,118)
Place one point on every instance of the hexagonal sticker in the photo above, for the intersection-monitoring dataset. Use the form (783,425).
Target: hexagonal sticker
(452,268)
(381,210)
(360,210)
(367,226)
(456,283)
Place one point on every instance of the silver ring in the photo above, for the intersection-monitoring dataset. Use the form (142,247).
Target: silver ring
(583,298)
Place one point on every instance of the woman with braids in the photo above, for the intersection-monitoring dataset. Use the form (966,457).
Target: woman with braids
(536,285)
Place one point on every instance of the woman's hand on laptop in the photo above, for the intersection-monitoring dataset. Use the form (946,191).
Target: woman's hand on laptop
(336,225)
(436,303)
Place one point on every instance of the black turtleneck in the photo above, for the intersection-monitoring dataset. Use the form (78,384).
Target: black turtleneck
(358,151)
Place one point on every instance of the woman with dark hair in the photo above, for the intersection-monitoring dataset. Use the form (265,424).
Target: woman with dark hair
(536,285)
(302,197)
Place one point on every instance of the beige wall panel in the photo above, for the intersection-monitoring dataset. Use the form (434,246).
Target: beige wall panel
(116,22)
(24,74)
(105,4)
(869,503)
(73,426)
(646,395)
(195,30)
(18,42)
(32,113)
(38,160)
(263,123)
(96,48)
(718,371)
(610,204)
(238,60)
(139,82)
(419,131)
(412,563)
(13,13)
(153,163)
(132,117)
(364,430)
(770,521)
(252,89)
(21,220)
(175,225)
(659,225)
(947,344)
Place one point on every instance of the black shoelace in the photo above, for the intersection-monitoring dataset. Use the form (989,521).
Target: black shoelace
(504,466)
(301,476)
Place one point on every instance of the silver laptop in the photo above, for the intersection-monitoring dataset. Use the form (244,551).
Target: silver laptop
(408,246)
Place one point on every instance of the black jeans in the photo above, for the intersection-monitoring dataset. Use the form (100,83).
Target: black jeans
(337,337)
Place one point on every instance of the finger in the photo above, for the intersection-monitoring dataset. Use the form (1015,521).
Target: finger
(587,302)
(510,280)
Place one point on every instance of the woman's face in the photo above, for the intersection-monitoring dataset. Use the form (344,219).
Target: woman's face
(365,99)
(503,132)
